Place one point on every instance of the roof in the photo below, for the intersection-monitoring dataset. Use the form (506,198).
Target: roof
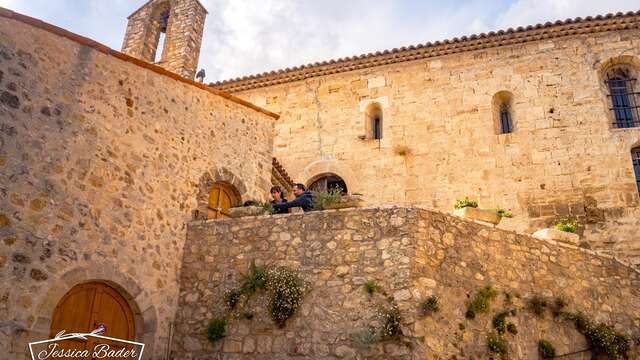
(6,13)
(150,1)
(549,30)
(281,172)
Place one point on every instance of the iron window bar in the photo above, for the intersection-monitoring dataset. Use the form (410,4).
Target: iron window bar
(625,104)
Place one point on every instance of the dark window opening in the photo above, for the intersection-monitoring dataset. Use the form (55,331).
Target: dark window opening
(624,102)
(164,24)
(328,182)
(377,128)
(506,125)
(635,157)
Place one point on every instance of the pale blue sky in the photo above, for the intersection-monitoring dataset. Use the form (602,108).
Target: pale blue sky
(243,37)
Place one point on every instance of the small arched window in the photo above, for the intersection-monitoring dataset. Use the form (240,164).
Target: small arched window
(502,112)
(326,182)
(373,122)
(635,160)
(157,30)
(624,100)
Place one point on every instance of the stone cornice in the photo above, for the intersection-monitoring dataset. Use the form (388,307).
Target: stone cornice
(569,27)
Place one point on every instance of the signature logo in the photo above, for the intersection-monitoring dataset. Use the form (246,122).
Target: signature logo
(104,347)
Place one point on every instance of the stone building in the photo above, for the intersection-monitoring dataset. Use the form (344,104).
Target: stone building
(118,173)
(543,120)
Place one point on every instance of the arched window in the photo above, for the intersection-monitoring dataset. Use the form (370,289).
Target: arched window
(373,122)
(502,112)
(624,99)
(326,182)
(635,159)
(157,30)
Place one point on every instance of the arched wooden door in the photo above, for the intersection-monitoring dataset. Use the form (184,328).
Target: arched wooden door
(221,198)
(87,306)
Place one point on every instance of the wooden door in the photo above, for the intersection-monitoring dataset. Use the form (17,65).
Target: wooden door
(221,199)
(85,307)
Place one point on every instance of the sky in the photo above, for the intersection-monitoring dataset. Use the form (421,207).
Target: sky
(244,37)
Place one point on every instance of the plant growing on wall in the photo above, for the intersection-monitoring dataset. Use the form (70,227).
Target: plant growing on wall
(429,306)
(390,324)
(567,225)
(371,287)
(502,212)
(537,305)
(231,298)
(459,204)
(481,302)
(216,329)
(603,339)
(285,294)
(254,280)
(546,349)
(498,345)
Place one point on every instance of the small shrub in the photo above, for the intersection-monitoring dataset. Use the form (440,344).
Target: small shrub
(481,302)
(503,213)
(371,287)
(215,330)
(499,322)
(323,199)
(429,306)
(537,305)
(267,206)
(497,345)
(512,328)
(558,306)
(568,225)
(286,290)
(459,204)
(546,349)
(390,327)
(602,338)
(231,298)
(254,280)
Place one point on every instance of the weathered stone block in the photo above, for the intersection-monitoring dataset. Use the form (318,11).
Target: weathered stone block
(557,235)
(242,211)
(478,214)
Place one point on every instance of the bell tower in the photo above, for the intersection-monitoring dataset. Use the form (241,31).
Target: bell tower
(167,33)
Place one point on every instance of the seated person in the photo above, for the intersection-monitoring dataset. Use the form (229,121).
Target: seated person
(277,195)
(304,199)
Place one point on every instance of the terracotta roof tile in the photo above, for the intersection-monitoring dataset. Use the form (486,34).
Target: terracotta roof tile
(510,36)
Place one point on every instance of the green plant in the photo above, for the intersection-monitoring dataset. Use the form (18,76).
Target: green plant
(568,225)
(481,302)
(390,324)
(498,345)
(267,207)
(356,193)
(537,305)
(366,336)
(512,329)
(321,200)
(459,204)
(231,298)
(429,306)
(558,306)
(370,287)
(254,280)
(603,339)
(503,213)
(286,290)
(546,349)
(499,322)
(215,329)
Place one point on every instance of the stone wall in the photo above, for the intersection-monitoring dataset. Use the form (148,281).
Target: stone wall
(101,164)
(439,133)
(411,253)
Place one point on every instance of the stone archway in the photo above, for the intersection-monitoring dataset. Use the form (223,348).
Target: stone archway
(144,313)
(317,169)
(217,176)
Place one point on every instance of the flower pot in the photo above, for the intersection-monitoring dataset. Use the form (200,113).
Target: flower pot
(347,201)
(472,213)
(557,235)
(238,212)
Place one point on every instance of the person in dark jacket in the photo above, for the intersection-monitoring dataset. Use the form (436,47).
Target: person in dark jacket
(304,199)
(277,195)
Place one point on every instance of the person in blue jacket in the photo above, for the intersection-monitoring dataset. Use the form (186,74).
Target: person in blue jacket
(304,199)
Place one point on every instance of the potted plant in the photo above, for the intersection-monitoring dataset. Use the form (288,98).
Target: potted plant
(334,199)
(251,208)
(563,230)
